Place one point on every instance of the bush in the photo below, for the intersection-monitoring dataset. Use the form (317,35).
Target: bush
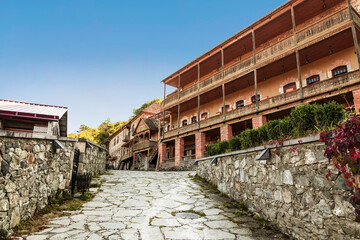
(273,130)
(303,119)
(285,126)
(249,138)
(235,143)
(213,149)
(223,146)
(327,115)
(262,134)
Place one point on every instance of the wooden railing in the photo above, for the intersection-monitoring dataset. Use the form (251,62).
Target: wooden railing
(144,144)
(324,86)
(356,17)
(306,34)
(126,156)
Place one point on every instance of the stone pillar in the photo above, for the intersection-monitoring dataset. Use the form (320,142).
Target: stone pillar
(162,153)
(179,150)
(226,132)
(200,139)
(356,95)
(259,121)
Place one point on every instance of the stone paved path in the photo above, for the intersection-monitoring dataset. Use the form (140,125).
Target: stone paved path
(142,205)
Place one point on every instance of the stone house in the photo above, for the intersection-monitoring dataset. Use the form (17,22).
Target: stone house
(124,145)
(302,52)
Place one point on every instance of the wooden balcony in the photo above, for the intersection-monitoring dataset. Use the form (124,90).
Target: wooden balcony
(315,89)
(126,138)
(144,145)
(126,156)
(304,37)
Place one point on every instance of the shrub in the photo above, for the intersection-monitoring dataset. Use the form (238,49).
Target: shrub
(235,143)
(223,146)
(303,119)
(262,134)
(213,149)
(327,115)
(273,130)
(249,138)
(285,126)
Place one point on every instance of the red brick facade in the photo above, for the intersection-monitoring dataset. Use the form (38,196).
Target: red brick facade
(259,121)
(179,150)
(162,153)
(226,132)
(200,139)
(356,94)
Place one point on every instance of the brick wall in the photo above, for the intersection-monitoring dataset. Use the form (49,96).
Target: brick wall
(226,132)
(258,121)
(200,139)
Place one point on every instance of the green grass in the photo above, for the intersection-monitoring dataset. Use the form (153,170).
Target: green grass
(201,214)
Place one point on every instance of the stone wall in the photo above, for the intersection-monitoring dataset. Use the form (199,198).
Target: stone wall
(31,172)
(92,157)
(34,169)
(289,190)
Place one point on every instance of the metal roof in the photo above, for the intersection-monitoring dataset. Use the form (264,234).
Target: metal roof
(31,110)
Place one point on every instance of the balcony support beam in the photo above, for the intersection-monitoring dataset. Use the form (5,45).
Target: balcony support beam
(198,111)
(255,70)
(353,31)
(163,125)
(223,96)
(178,120)
(294,24)
(299,73)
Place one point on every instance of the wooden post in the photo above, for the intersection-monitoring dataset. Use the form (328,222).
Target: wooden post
(198,111)
(133,165)
(299,73)
(163,127)
(198,118)
(294,24)
(255,71)
(223,94)
(256,90)
(356,43)
(222,62)
(171,123)
(178,122)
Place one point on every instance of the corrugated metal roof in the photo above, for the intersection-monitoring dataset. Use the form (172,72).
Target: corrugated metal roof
(32,110)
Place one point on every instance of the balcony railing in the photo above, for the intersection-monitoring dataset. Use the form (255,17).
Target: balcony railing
(304,35)
(126,156)
(144,144)
(324,86)
(356,17)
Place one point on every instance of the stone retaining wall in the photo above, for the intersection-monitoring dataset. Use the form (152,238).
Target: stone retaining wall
(33,169)
(289,190)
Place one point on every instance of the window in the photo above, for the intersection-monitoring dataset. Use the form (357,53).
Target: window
(193,119)
(313,79)
(204,115)
(184,122)
(339,70)
(289,87)
(253,99)
(226,107)
(240,104)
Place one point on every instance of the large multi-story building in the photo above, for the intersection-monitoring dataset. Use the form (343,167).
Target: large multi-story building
(305,51)
(134,145)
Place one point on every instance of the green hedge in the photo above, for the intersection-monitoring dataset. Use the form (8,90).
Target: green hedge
(303,120)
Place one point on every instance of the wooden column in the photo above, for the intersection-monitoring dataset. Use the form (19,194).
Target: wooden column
(163,127)
(297,56)
(178,104)
(198,84)
(223,94)
(171,123)
(222,62)
(353,31)
(299,73)
(255,71)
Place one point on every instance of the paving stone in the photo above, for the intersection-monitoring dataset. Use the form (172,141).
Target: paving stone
(132,200)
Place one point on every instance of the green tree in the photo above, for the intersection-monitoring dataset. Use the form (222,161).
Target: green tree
(136,111)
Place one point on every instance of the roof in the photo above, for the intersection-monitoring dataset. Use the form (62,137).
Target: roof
(152,110)
(233,37)
(31,110)
(152,124)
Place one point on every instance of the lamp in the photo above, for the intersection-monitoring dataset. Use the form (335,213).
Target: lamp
(330,50)
(306,60)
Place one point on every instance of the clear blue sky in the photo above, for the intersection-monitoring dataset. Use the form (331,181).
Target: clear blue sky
(103,58)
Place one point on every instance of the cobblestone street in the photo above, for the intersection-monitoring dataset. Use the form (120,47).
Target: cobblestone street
(153,205)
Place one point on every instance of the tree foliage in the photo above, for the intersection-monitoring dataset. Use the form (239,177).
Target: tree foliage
(136,111)
(100,134)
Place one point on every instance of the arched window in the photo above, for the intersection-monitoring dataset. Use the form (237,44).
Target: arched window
(289,87)
(253,98)
(240,104)
(339,70)
(204,115)
(184,122)
(313,79)
(226,108)
(193,119)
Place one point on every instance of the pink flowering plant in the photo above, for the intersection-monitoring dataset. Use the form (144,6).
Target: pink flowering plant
(343,150)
